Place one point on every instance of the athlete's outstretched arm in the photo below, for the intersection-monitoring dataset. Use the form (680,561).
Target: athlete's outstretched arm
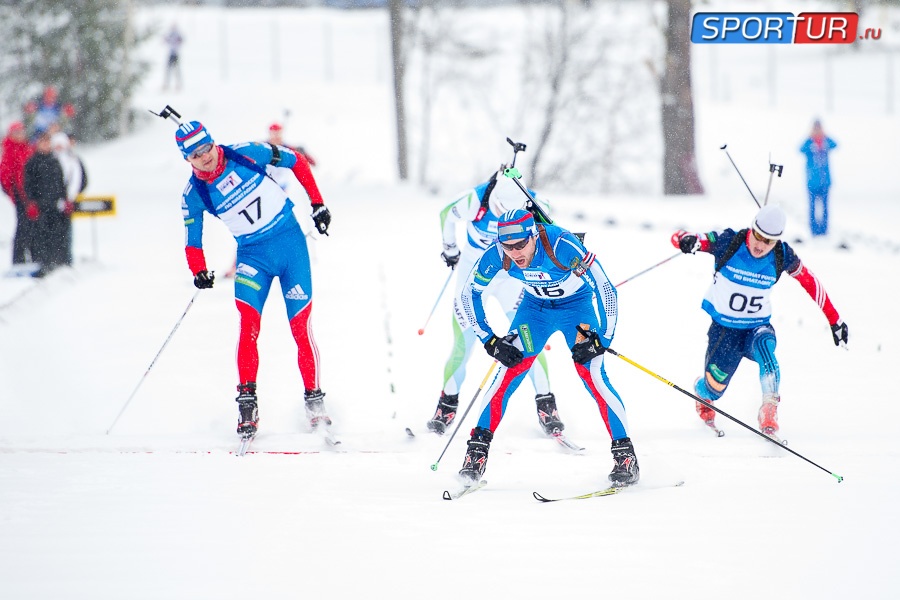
(815,290)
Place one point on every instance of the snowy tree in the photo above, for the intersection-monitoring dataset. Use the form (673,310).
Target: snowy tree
(85,49)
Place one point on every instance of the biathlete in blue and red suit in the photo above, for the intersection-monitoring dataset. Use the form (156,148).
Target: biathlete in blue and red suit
(748,264)
(230,183)
(566,290)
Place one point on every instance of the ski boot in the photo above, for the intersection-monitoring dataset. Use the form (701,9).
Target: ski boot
(626,470)
(707,414)
(476,456)
(547,414)
(249,414)
(768,414)
(445,413)
(315,408)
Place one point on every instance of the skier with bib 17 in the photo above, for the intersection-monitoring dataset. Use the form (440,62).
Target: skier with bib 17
(479,209)
(230,183)
(566,290)
(748,263)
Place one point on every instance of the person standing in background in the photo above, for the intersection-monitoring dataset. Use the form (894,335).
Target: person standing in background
(48,113)
(818,177)
(16,152)
(173,40)
(45,189)
(76,180)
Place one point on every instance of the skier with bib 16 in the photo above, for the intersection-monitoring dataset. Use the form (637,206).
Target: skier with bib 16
(230,183)
(566,290)
(748,263)
(479,209)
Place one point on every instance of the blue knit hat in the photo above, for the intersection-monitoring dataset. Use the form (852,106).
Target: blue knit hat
(191,136)
(515,225)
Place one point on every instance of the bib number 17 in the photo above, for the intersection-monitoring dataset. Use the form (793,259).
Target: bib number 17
(249,209)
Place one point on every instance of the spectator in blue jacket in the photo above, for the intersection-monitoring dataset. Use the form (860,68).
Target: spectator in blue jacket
(818,177)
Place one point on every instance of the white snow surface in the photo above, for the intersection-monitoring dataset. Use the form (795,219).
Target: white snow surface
(161,508)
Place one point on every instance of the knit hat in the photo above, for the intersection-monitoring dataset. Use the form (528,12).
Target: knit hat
(60,141)
(769,222)
(516,224)
(191,136)
(505,196)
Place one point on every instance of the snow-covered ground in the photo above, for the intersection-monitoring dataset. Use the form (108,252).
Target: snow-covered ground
(159,508)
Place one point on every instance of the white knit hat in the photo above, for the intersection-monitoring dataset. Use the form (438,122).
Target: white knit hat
(505,196)
(769,222)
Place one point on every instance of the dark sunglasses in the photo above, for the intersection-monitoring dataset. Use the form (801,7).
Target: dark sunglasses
(200,151)
(517,246)
(762,239)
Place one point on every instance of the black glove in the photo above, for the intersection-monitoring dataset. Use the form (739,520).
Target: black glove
(839,332)
(450,255)
(322,218)
(203,280)
(503,350)
(589,348)
(689,244)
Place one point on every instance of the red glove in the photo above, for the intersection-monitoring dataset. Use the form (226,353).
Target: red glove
(69,110)
(69,207)
(31,211)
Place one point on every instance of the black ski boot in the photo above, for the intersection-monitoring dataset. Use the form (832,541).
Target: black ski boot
(249,414)
(445,413)
(315,408)
(476,456)
(626,470)
(547,414)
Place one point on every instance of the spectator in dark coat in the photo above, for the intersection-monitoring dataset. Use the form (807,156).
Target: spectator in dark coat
(16,152)
(45,187)
(818,177)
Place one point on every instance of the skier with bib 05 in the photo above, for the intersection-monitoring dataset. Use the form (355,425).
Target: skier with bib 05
(566,290)
(748,264)
(479,209)
(230,183)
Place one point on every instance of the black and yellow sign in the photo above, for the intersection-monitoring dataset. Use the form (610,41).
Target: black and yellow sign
(95,206)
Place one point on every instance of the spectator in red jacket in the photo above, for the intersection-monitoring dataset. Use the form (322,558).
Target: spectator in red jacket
(16,153)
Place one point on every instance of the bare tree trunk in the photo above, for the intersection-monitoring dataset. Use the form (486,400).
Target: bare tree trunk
(395,8)
(679,157)
(559,71)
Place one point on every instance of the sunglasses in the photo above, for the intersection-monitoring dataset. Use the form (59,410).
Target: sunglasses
(200,151)
(517,246)
(762,239)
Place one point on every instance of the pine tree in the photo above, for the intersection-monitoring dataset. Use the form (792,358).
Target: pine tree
(85,48)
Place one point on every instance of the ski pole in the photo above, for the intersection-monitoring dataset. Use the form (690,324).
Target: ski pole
(174,329)
(434,467)
(721,412)
(739,175)
(677,254)
(436,302)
